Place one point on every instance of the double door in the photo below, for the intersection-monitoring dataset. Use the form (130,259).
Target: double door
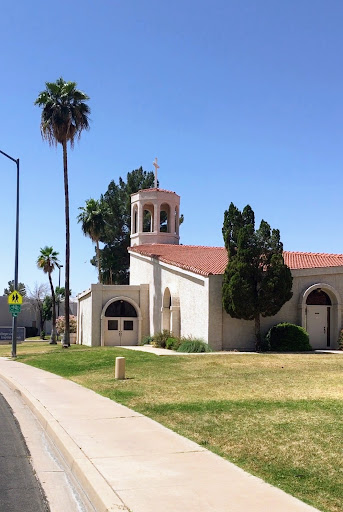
(121,331)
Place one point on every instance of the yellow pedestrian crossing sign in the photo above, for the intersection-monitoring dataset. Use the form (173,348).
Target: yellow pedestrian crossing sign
(15,298)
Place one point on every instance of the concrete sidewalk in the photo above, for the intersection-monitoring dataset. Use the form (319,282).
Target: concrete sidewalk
(125,461)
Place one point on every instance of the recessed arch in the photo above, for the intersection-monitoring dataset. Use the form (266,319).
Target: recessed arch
(167,298)
(321,314)
(116,308)
(171,312)
(327,288)
(166,310)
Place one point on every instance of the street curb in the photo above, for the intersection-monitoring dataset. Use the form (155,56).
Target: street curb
(97,489)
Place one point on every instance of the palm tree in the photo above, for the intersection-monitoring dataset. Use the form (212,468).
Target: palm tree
(93,223)
(64,117)
(47,261)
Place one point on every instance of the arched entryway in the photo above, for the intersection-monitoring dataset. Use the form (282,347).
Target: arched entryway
(171,313)
(120,322)
(321,309)
(166,310)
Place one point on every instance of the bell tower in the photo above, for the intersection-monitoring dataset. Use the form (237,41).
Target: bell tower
(155,217)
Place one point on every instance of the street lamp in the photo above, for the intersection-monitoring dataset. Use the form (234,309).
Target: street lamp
(14,321)
(59,286)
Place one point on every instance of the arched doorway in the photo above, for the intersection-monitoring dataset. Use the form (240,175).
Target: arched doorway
(120,323)
(321,315)
(166,310)
(171,313)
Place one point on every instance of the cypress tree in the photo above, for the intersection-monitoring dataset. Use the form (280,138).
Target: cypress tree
(256,280)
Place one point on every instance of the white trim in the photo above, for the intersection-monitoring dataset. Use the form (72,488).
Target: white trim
(83,294)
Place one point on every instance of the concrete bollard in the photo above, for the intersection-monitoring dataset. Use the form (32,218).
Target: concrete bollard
(119,372)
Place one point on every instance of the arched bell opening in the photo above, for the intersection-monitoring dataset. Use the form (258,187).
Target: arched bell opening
(165,218)
(148,218)
(134,220)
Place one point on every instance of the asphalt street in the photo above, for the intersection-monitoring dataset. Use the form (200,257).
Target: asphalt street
(20,490)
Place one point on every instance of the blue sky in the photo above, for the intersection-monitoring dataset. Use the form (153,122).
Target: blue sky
(240,101)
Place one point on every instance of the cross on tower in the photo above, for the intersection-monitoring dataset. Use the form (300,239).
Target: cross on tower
(155,164)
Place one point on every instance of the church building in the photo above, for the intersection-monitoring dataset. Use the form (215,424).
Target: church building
(178,288)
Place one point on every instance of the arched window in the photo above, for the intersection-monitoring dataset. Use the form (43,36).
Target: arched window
(318,298)
(120,308)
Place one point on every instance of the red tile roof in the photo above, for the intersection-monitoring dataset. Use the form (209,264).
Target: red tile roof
(298,260)
(213,260)
(201,260)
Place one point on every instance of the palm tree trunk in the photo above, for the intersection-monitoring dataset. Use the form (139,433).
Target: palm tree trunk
(41,321)
(98,259)
(53,330)
(66,342)
(258,332)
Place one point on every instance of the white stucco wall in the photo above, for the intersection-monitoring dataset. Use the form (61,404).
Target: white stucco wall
(84,319)
(216,313)
(200,301)
(240,334)
(92,301)
(191,289)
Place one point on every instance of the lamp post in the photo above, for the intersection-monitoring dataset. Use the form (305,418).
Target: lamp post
(14,321)
(59,286)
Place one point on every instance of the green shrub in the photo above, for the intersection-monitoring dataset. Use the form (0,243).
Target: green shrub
(287,337)
(173,343)
(147,340)
(190,346)
(42,335)
(340,340)
(160,339)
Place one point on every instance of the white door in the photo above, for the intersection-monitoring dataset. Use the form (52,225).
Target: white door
(318,323)
(121,331)
(129,331)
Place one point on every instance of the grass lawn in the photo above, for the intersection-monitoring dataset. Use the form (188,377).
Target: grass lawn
(38,338)
(277,416)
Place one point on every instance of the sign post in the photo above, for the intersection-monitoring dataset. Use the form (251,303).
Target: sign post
(16,254)
(15,300)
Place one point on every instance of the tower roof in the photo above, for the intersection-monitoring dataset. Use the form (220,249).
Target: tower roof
(154,190)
